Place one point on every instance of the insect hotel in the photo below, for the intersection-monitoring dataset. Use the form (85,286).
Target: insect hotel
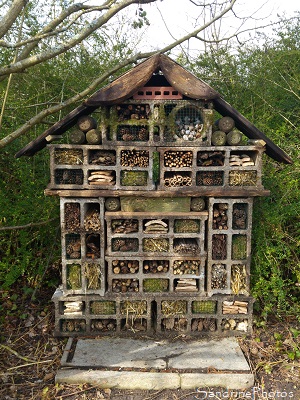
(156,175)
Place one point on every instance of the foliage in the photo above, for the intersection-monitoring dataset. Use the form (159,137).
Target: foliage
(262,82)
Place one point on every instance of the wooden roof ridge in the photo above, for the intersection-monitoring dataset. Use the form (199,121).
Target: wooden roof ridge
(134,79)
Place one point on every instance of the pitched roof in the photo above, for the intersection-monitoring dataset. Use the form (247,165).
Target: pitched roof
(130,82)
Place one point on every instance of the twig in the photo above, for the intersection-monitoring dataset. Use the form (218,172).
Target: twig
(30,225)
(27,365)
(16,353)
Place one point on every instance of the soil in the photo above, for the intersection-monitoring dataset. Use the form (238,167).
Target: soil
(30,357)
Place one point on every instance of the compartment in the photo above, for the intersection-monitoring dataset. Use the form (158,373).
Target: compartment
(177,179)
(134,158)
(121,244)
(93,247)
(239,247)
(67,156)
(184,225)
(92,217)
(219,276)
(186,267)
(73,276)
(73,246)
(243,178)
(178,158)
(125,266)
(125,285)
(102,307)
(240,216)
(122,225)
(209,178)
(132,133)
(220,216)
(101,177)
(155,285)
(156,245)
(103,325)
(93,276)
(210,158)
(204,307)
(155,226)
(72,217)
(133,178)
(219,247)
(102,157)
(64,176)
(204,325)
(72,307)
(155,266)
(72,325)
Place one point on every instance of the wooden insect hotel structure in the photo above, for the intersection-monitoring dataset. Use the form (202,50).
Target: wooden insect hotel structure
(156,175)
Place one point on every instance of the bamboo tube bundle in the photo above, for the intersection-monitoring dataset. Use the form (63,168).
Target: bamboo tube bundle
(176,180)
(134,158)
(178,159)
(218,276)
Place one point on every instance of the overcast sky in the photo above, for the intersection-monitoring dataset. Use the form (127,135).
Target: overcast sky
(181,15)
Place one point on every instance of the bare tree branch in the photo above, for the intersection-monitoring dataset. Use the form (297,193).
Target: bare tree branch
(58,107)
(25,63)
(7,21)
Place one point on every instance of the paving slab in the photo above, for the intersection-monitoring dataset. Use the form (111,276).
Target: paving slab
(127,363)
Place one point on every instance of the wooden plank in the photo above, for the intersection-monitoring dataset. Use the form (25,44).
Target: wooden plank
(215,192)
(164,205)
(184,81)
(126,85)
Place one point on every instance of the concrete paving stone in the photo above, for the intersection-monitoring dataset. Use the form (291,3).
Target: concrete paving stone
(223,354)
(120,379)
(177,364)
